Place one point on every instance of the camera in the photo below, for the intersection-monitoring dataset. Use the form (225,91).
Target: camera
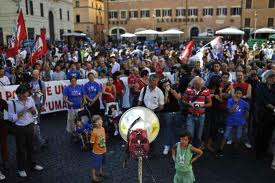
(196,106)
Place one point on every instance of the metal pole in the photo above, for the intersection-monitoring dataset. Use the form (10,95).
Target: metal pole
(140,170)
(255,26)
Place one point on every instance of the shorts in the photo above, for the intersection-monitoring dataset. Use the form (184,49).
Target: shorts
(97,160)
(229,131)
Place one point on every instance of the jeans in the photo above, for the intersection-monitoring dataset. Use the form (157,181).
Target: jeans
(229,130)
(195,125)
(120,102)
(171,120)
(132,99)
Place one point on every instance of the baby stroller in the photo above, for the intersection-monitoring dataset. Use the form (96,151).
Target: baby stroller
(84,127)
(113,114)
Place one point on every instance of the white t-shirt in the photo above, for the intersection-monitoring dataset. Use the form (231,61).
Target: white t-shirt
(115,67)
(4,81)
(152,99)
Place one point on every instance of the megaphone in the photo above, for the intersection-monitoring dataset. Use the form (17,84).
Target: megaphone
(139,126)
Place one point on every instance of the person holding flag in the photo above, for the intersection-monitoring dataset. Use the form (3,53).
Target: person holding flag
(40,48)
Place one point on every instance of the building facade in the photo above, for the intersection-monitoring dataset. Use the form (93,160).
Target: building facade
(55,17)
(89,18)
(258,14)
(191,16)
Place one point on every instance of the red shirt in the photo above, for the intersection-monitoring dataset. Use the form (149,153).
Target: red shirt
(141,84)
(108,98)
(203,98)
(119,87)
(132,79)
(244,86)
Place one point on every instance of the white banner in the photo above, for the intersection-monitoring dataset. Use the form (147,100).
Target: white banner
(54,93)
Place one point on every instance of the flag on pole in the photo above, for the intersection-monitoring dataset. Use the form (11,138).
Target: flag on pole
(187,52)
(40,48)
(217,47)
(18,36)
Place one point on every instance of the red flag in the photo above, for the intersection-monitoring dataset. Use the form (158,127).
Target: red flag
(40,48)
(21,32)
(20,35)
(186,52)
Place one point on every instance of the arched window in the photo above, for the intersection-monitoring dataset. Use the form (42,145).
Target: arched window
(77,18)
(68,15)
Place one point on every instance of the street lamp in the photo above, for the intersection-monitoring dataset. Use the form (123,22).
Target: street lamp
(255,26)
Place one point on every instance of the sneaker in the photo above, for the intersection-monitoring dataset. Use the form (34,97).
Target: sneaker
(116,133)
(229,142)
(248,145)
(38,168)
(2,177)
(166,150)
(22,174)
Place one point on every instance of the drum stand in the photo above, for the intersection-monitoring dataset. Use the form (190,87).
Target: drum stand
(140,170)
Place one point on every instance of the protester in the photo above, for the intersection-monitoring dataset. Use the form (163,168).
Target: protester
(197,99)
(73,96)
(109,92)
(3,136)
(22,115)
(4,80)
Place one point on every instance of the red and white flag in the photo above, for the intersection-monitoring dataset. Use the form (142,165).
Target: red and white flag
(18,37)
(40,48)
(187,52)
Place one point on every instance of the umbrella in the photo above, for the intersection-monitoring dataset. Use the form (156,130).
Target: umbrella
(265,31)
(272,36)
(172,32)
(128,35)
(147,32)
(230,31)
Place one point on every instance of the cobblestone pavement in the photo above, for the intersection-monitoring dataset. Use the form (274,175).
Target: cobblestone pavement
(64,162)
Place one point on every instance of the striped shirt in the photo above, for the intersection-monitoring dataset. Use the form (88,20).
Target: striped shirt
(203,98)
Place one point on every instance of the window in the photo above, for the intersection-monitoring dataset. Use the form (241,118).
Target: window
(235,11)
(61,32)
(221,11)
(123,14)
(31,7)
(1,37)
(271,4)
(96,19)
(8,38)
(270,22)
(166,12)
(133,14)
(69,31)
(113,14)
(41,10)
(68,15)
(248,4)
(158,13)
(207,11)
(247,22)
(193,12)
(27,7)
(145,13)
(77,18)
(180,12)
(76,3)
(31,33)
(60,14)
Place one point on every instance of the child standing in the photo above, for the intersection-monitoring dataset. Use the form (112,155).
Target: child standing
(114,117)
(182,154)
(98,141)
(237,111)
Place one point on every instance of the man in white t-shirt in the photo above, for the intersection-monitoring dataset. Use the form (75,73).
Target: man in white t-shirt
(153,98)
(4,80)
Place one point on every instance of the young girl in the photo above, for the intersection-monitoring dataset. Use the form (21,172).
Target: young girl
(98,141)
(114,115)
(182,154)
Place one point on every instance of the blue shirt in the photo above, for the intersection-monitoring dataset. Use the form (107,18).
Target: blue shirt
(237,117)
(91,89)
(74,95)
(73,74)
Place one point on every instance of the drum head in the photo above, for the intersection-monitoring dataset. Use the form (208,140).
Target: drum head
(147,120)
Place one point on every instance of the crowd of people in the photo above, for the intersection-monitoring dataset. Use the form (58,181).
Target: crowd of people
(228,97)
